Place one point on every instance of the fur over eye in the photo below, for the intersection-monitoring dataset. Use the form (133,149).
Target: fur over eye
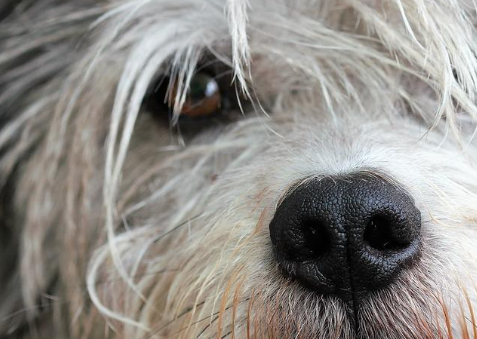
(208,95)
(202,99)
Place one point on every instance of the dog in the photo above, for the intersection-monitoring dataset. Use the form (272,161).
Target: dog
(238,169)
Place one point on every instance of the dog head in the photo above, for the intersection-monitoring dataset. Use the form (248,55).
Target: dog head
(242,169)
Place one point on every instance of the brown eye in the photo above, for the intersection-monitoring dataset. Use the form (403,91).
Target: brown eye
(203,97)
(210,99)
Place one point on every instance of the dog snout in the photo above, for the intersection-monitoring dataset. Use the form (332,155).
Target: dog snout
(346,235)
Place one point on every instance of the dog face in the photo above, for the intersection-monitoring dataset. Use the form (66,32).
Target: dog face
(261,169)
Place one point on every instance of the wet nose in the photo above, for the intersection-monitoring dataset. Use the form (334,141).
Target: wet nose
(346,235)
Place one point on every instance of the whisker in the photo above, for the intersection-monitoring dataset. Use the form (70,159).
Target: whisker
(162,236)
(216,317)
(183,313)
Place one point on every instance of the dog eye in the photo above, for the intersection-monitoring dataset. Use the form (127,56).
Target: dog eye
(203,97)
(206,97)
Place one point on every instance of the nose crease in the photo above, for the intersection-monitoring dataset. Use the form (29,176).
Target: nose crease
(346,236)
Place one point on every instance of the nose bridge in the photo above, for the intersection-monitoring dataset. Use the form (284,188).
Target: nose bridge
(350,233)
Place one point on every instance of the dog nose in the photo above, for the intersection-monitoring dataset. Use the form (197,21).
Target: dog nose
(346,235)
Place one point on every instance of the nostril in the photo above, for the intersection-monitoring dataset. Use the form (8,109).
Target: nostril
(378,234)
(316,237)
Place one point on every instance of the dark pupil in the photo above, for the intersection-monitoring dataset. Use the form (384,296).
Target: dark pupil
(198,87)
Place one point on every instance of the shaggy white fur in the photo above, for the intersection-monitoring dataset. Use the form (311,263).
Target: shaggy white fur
(115,224)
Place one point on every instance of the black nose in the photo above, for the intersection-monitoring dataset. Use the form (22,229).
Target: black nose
(346,235)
